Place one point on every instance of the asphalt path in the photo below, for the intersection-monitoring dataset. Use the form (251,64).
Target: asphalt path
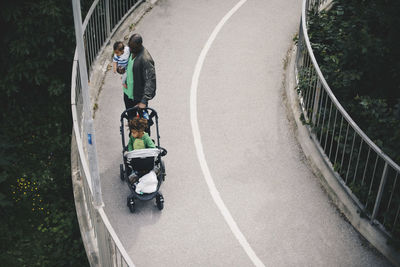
(238,191)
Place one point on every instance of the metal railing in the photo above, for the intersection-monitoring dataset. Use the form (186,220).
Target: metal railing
(100,24)
(368,175)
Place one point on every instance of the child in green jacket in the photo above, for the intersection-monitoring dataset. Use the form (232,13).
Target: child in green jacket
(139,139)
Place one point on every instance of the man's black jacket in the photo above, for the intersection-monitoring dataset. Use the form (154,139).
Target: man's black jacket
(144,77)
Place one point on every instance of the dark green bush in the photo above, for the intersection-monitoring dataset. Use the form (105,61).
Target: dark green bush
(355,43)
(39,225)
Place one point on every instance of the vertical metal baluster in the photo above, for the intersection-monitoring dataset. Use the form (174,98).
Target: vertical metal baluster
(112,15)
(328,128)
(104,20)
(307,98)
(100,11)
(109,13)
(107,17)
(312,93)
(303,47)
(358,159)
(121,8)
(333,133)
(304,59)
(93,39)
(115,6)
(351,155)
(99,27)
(344,145)
(308,92)
(124,7)
(380,191)
(340,135)
(391,195)
(301,53)
(366,165)
(303,90)
(96,29)
(316,103)
(86,44)
(91,46)
(93,20)
(115,254)
(321,101)
(118,11)
(299,44)
(312,100)
(395,219)
(372,180)
(323,119)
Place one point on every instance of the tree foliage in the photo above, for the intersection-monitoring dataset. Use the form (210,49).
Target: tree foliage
(39,225)
(356,44)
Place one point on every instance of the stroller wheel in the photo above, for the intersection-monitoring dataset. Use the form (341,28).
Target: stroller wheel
(121,172)
(131,204)
(160,201)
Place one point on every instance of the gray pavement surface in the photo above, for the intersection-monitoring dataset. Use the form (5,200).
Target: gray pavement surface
(256,163)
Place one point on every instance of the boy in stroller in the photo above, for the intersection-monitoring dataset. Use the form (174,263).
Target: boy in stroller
(139,139)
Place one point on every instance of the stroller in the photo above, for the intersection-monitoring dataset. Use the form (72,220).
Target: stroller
(143,161)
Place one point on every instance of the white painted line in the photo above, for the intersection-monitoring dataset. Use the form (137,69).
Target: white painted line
(199,147)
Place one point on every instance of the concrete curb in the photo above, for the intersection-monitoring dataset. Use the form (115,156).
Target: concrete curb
(327,177)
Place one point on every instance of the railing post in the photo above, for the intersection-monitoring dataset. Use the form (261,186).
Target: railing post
(88,120)
(108,17)
(380,192)
(316,101)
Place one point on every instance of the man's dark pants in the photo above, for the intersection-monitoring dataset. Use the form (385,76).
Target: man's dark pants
(130,103)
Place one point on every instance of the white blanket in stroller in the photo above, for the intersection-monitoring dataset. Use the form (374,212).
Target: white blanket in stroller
(147,183)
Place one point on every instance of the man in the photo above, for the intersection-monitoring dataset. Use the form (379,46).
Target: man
(140,86)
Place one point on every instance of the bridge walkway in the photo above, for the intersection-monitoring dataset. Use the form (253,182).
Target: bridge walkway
(283,216)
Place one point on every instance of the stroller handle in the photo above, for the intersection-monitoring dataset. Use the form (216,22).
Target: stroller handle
(152,114)
(124,114)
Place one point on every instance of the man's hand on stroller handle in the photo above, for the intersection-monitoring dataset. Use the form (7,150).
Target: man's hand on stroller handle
(141,105)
